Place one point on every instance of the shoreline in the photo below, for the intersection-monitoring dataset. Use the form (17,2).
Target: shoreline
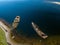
(11,41)
(7,34)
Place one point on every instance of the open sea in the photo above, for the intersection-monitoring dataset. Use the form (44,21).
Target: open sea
(45,15)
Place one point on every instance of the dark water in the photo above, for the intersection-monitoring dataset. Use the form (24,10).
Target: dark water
(45,15)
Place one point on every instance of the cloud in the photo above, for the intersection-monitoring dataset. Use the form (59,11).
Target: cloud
(53,2)
(58,3)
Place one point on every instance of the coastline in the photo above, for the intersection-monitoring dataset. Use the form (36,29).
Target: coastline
(26,41)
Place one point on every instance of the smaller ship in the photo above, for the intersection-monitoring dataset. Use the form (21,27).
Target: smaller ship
(16,22)
(7,28)
(38,31)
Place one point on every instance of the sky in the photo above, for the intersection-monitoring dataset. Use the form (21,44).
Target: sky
(47,1)
(13,0)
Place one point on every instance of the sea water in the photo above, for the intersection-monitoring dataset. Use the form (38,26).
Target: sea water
(45,15)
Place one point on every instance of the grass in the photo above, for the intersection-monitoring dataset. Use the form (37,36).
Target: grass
(2,38)
(51,40)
